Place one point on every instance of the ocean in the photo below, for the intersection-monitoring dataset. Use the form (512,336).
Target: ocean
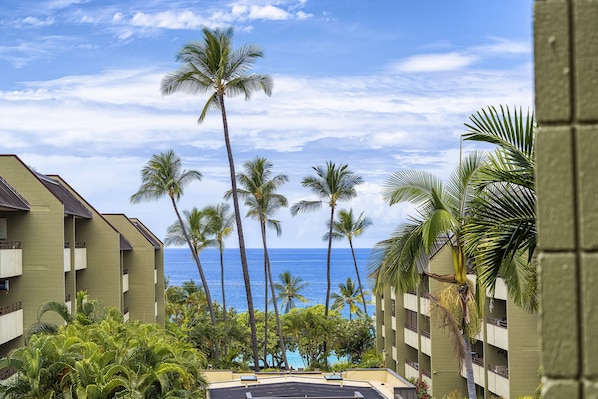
(306,263)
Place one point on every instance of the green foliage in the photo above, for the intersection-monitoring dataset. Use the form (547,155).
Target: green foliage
(455,394)
(372,359)
(91,358)
(353,338)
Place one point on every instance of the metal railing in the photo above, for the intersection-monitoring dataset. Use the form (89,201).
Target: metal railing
(10,244)
(13,307)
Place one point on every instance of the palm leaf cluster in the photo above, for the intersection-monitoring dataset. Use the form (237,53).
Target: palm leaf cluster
(501,233)
(104,359)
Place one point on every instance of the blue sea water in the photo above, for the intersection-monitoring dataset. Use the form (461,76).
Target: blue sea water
(306,263)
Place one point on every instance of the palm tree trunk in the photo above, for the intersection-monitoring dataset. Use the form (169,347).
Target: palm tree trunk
(328,282)
(204,281)
(263,230)
(222,281)
(242,251)
(365,309)
(283,349)
(469,369)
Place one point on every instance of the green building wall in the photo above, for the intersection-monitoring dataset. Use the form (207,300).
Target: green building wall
(102,279)
(41,233)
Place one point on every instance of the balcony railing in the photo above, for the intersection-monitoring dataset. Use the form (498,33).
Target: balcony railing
(10,244)
(413,364)
(503,371)
(13,307)
(410,327)
(498,322)
(426,373)
(11,259)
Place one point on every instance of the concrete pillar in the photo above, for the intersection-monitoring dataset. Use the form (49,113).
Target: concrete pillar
(566,84)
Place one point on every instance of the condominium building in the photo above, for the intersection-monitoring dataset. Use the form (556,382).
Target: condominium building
(53,244)
(416,345)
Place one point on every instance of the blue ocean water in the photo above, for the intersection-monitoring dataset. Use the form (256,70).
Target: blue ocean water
(306,263)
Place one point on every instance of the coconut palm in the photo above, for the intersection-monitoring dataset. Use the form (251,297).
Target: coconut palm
(194,228)
(213,66)
(442,209)
(348,295)
(501,234)
(347,226)
(163,176)
(331,184)
(288,289)
(221,223)
(258,190)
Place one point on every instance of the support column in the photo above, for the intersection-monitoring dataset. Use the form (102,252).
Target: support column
(566,83)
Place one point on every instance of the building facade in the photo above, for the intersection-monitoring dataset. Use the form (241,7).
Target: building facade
(415,344)
(53,244)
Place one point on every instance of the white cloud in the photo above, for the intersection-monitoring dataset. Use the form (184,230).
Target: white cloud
(434,62)
(36,22)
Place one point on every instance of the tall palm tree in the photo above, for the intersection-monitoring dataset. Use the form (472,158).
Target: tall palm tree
(213,66)
(348,295)
(288,289)
(258,190)
(347,226)
(195,226)
(501,234)
(442,212)
(221,223)
(331,183)
(163,176)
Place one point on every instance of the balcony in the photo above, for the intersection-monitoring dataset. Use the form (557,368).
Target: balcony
(80,256)
(478,370)
(410,301)
(500,290)
(498,380)
(427,378)
(11,259)
(411,369)
(424,305)
(126,315)
(67,257)
(411,336)
(497,333)
(125,280)
(68,303)
(426,343)
(11,322)
(155,277)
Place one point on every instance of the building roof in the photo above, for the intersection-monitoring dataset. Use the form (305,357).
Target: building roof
(10,198)
(146,233)
(72,206)
(366,383)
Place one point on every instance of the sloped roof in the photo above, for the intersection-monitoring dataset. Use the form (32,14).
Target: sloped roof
(72,206)
(125,245)
(10,198)
(146,233)
(295,390)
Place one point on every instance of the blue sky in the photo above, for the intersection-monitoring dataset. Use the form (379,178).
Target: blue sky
(378,85)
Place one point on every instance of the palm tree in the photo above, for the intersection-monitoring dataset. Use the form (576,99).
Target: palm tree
(442,211)
(347,226)
(331,184)
(288,290)
(195,226)
(501,234)
(221,223)
(163,176)
(213,66)
(348,295)
(258,190)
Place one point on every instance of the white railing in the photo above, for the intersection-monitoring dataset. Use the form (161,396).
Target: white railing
(11,260)
(410,301)
(125,282)
(67,260)
(498,383)
(411,338)
(80,258)
(497,336)
(411,371)
(11,323)
(426,345)
(424,306)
